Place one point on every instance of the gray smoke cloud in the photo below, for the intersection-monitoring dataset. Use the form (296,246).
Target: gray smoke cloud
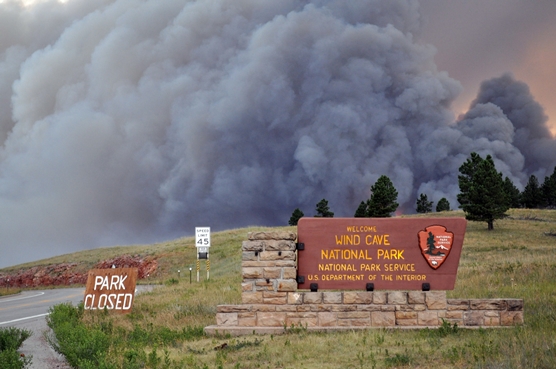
(130,121)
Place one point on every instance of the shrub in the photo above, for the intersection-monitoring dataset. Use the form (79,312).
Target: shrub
(171,281)
(11,339)
(11,359)
(82,346)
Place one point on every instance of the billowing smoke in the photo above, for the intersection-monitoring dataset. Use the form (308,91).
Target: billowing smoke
(127,121)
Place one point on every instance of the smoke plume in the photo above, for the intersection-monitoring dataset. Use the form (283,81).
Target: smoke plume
(126,121)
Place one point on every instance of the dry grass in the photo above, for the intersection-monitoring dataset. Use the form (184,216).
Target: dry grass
(9,291)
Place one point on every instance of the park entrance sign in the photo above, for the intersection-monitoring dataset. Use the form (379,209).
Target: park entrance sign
(379,253)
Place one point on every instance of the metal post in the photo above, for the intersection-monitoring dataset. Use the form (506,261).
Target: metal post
(198,267)
(189,275)
(208,266)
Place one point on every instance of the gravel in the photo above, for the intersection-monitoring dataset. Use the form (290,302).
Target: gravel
(43,355)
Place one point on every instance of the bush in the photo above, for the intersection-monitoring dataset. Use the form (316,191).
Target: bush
(11,339)
(11,359)
(82,346)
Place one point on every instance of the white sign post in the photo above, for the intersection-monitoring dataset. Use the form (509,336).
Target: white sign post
(202,242)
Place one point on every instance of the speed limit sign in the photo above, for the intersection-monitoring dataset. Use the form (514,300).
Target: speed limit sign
(202,237)
(202,241)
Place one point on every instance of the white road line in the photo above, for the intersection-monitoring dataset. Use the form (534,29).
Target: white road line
(21,297)
(20,319)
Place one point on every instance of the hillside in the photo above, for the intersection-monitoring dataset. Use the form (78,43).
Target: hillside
(515,260)
(155,262)
(524,230)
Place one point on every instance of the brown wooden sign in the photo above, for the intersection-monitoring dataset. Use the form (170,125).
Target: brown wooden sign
(379,253)
(113,289)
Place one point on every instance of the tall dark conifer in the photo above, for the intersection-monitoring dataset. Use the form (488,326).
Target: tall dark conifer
(548,190)
(512,193)
(482,196)
(423,204)
(382,202)
(531,197)
(361,211)
(323,210)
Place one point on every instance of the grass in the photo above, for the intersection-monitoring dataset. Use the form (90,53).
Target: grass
(515,260)
(9,291)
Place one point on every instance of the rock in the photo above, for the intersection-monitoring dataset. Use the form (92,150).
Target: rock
(67,274)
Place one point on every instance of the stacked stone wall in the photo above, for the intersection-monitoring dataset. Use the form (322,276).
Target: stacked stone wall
(271,302)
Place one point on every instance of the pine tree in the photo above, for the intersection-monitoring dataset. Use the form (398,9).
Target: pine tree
(323,211)
(467,178)
(482,196)
(431,244)
(361,211)
(443,205)
(432,247)
(296,215)
(531,197)
(513,195)
(382,202)
(423,204)
(548,190)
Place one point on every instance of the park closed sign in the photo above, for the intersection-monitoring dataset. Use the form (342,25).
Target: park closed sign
(111,289)
(379,253)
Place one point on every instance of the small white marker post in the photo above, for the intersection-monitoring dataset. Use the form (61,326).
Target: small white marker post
(202,242)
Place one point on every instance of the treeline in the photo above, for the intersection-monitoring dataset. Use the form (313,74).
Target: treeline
(485,195)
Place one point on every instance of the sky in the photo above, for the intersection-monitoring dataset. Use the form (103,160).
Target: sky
(135,121)
(480,39)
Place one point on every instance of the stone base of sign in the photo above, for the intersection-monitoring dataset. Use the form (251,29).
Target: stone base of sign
(271,303)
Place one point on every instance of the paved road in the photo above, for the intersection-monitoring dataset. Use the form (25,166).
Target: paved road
(15,310)
(28,311)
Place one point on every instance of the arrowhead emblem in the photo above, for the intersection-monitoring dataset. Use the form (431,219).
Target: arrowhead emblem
(435,243)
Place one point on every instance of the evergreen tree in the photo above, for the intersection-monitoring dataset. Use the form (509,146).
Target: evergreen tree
(482,196)
(361,211)
(531,197)
(513,195)
(382,202)
(423,204)
(296,215)
(431,244)
(443,205)
(548,190)
(323,211)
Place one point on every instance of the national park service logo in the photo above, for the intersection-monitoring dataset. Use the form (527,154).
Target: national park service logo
(435,243)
